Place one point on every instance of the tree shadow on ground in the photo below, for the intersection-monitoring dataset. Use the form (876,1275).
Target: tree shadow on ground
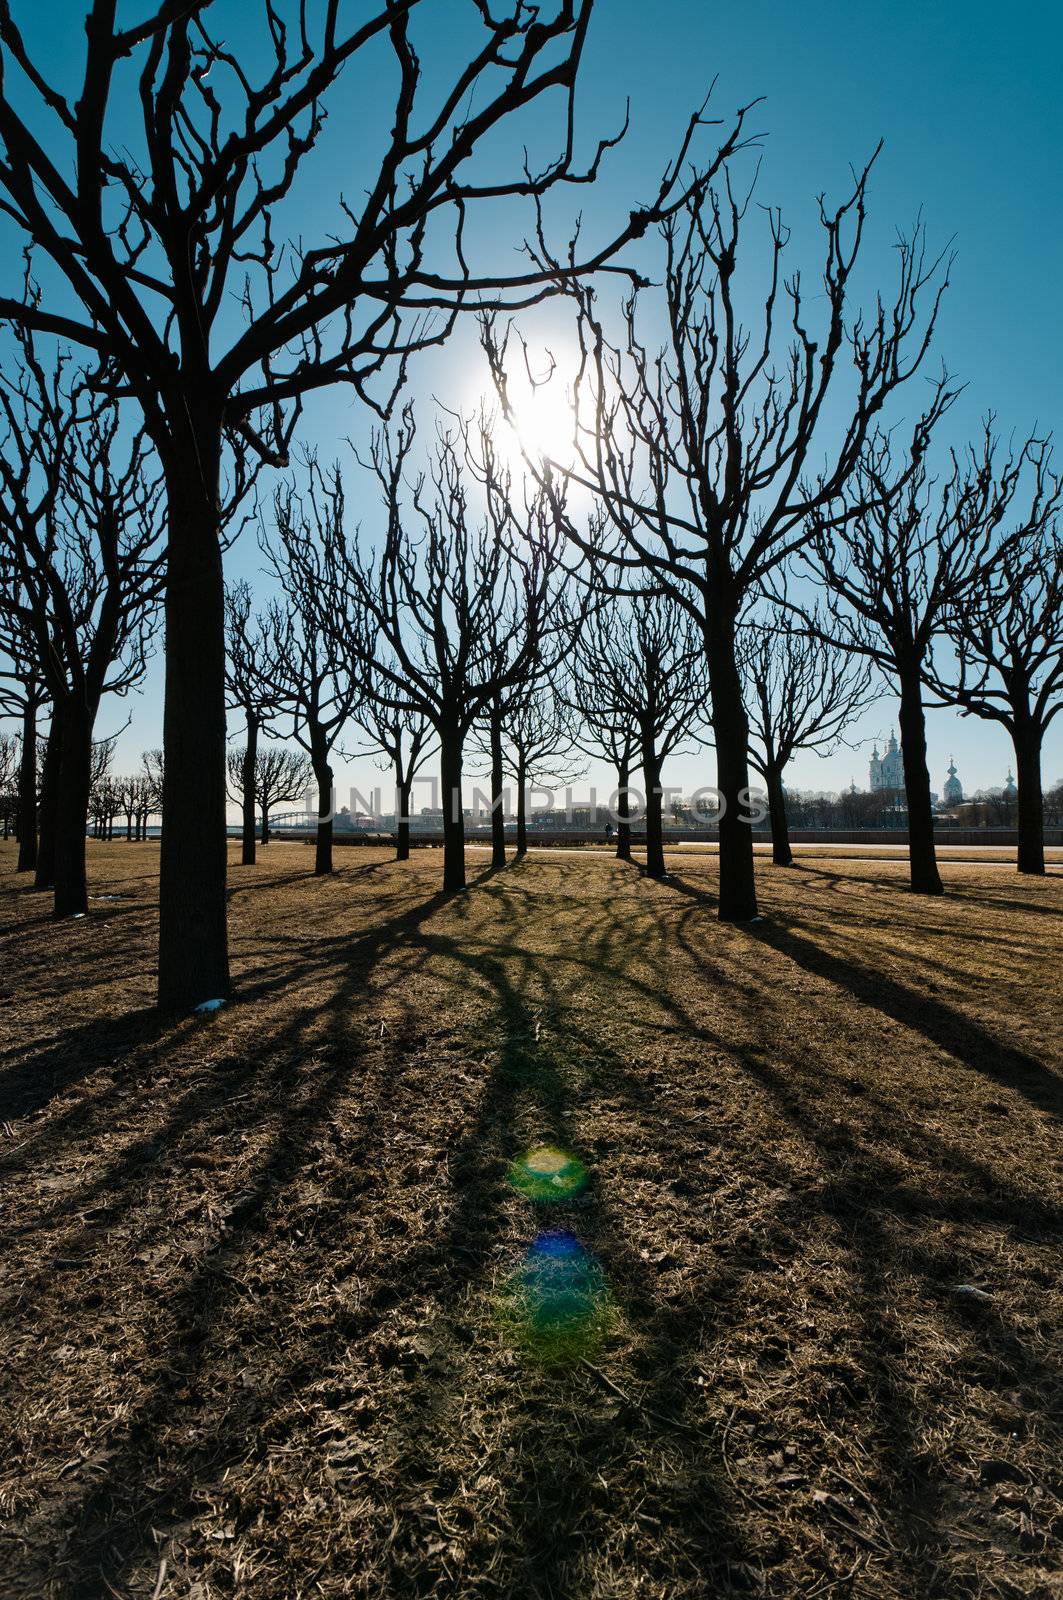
(337,1117)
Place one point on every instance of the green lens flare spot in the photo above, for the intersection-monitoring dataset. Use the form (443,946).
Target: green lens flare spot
(547,1173)
(556,1304)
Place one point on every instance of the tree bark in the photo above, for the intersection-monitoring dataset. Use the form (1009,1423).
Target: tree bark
(1027,737)
(247,776)
(72,809)
(323,853)
(193,936)
(522,806)
(403,789)
(651,778)
(781,853)
(923,867)
(264,836)
(450,746)
(27,794)
(498,780)
(738,893)
(623,812)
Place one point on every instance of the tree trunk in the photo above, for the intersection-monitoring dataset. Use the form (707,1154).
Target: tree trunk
(27,794)
(925,878)
(49,805)
(623,812)
(265,820)
(323,853)
(129,827)
(781,853)
(72,809)
(403,789)
(1027,736)
(247,779)
(193,935)
(738,893)
(450,752)
(522,806)
(498,780)
(651,778)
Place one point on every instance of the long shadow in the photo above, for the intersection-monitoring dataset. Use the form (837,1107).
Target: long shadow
(532,1087)
(956,1035)
(101,1541)
(945,1027)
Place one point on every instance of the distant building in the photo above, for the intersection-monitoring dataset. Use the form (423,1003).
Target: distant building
(887,770)
(1009,788)
(953,786)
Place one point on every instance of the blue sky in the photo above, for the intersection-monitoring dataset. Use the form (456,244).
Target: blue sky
(966,98)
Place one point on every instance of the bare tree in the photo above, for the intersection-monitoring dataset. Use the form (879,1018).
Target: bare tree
(9,769)
(515,722)
(156,195)
(249,670)
(152,764)
(639,662)
(402,735)
(280,774)
(80,526)
(23,695)
(540,738)
(603,727)
(307,658)
(1008,639)
(128,791)
(458,605)
(801,693)
(704,456)
(903,554)
(104,803)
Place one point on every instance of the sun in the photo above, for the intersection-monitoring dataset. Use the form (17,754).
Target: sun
(541,425)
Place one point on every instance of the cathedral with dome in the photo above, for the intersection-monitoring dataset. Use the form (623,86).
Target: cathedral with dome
(887,770)
(887,773)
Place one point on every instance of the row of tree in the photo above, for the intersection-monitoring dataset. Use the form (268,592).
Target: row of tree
(737,498)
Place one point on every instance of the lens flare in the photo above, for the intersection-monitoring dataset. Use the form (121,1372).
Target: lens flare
(557,1299)
(547,1173)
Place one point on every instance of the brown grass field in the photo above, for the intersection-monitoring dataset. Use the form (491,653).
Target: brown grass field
(259,1339)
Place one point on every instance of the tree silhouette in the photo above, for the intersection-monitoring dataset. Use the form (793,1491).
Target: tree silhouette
(9,767)
(897,561)
(249,688)
(156,195)
(638,663)
(307,657)
(459,603)
(709,457)
(80,529)
(801,691)
(23,695)
(540,735)
(279,774)
(402,735)
(1008,637)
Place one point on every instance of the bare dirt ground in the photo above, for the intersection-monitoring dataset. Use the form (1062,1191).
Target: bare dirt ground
(255,1266)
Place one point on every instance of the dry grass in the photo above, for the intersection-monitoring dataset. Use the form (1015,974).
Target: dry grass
(253,1265)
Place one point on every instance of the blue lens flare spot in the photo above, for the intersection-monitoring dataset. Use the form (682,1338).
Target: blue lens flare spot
(557,1299)
(547,1173)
